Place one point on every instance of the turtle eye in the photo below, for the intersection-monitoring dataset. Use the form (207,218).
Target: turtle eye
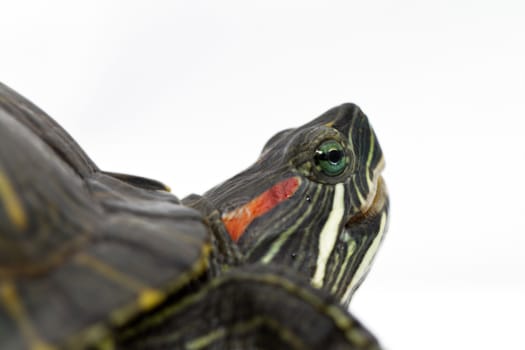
(330,158)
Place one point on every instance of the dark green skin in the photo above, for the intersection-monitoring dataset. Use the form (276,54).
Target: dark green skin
(82,249)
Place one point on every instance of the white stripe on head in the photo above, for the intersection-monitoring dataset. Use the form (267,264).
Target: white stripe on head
(328,235)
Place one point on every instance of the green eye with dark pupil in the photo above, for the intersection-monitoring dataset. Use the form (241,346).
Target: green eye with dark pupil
(330,158)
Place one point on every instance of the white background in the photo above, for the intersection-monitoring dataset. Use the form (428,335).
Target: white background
(188,92)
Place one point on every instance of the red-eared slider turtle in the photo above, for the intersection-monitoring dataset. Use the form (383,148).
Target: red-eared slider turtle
(269,259)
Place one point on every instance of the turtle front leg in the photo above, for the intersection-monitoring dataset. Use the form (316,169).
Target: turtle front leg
(253,307)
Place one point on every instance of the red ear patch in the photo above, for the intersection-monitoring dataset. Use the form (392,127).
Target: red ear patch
(238,219)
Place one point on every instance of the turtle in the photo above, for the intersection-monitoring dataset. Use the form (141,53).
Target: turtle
(268,259)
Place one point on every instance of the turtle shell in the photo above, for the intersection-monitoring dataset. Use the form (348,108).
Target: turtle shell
(81,250)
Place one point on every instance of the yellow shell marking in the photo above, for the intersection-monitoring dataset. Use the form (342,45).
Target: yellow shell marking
(15,308)
(13,205)
(149,298)
(208,339)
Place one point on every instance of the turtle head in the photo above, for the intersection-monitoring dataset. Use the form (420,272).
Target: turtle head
(314,201)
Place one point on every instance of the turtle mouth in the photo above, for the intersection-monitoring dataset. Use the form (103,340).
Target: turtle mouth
(374,205)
